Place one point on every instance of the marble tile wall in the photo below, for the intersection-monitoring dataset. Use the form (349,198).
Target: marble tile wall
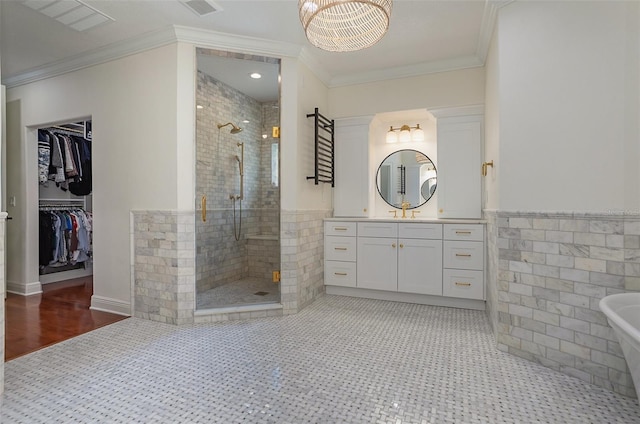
(220,257)
(552,270)
(302,256)
(264,257)
(164,266)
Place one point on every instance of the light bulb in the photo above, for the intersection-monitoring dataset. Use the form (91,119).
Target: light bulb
(392,137)
(417,134)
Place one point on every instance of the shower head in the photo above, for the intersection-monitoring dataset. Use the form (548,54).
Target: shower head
(234,129)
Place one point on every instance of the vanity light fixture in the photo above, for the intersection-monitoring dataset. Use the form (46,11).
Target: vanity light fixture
(344,25)
(406,134)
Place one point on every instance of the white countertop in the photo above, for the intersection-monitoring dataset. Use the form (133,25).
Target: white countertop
(410,220)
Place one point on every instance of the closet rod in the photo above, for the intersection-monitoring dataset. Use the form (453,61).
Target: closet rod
(62,200)
(60,207)
(67,129)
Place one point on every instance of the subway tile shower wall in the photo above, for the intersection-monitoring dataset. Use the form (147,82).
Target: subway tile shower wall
(164,266)
(546,274)
(221,258)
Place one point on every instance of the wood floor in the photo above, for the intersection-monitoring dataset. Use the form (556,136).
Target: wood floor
(59,313)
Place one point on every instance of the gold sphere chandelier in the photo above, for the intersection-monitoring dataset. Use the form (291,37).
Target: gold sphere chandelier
(344,25)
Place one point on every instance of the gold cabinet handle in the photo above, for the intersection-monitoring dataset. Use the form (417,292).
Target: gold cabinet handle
(340,248)
(393,245)
(401,245)
(340,273)
(463,232)
(340,228)
(462,284)
(466,255)
(203,203)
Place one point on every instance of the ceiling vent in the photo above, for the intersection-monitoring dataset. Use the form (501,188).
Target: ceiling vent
(202,7)
(73,13)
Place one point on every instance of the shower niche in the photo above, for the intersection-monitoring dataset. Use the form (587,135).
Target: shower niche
(237,180)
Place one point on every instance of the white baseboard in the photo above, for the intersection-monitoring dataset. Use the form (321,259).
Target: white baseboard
(114,306)
(24,289)
(423,299)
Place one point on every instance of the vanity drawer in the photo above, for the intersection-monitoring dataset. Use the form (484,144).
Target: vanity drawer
(463,254)
(473,232)
(463,283)
(377,229)
(340,273)
(340,248)
(335,228)
(416,230)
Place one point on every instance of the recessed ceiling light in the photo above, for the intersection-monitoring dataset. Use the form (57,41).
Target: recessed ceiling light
(245,121)
(255,75)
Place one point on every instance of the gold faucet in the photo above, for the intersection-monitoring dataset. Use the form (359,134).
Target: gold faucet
(405,205)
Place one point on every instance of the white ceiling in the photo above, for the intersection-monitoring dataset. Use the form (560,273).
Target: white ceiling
(424,35)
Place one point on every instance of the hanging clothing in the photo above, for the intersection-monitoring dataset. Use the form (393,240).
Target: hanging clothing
(44,156)
(65,237)
(66,160)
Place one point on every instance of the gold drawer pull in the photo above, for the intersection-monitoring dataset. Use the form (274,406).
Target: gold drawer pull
(462,284)
(340,228)
(340,248)
(393,245)
(463,232)
(340,273)
(401,245)
(466,255)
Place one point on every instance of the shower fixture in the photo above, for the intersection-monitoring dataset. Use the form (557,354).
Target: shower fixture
(234,129)
(237,229)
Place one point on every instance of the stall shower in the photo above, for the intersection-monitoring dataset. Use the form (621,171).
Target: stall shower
(238,219)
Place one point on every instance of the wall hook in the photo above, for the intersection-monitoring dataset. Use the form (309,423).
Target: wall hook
(484,167)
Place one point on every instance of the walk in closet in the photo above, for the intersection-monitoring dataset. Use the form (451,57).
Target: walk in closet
(64,188)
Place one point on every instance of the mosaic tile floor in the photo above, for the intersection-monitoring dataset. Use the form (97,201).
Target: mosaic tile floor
(241,292)
(340,360)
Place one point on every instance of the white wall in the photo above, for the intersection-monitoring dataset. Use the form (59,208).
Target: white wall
(491,198)
(133,103)
(431,91)
(426,92)
(302,92)
(379,150)
(568,84)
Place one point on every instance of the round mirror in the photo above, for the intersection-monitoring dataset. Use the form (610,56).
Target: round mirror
(406,176)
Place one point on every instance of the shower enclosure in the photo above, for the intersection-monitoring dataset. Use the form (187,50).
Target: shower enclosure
(237,180)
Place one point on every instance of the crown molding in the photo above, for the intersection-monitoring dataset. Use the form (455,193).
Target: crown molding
(110,52)
(489,17)
(315,66)
(407,71)
(453,112)
(237,43)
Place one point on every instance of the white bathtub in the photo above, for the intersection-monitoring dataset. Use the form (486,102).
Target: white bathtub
(623,313)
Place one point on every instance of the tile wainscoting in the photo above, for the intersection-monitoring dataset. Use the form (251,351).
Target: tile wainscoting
(547,271)
(164,268)
(302,257)
(164,265)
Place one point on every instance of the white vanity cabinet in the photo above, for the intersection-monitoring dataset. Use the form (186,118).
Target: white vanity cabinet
(420,258)
(464,261)
(410,261)
(351,192)
(340,253)
(400,257)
